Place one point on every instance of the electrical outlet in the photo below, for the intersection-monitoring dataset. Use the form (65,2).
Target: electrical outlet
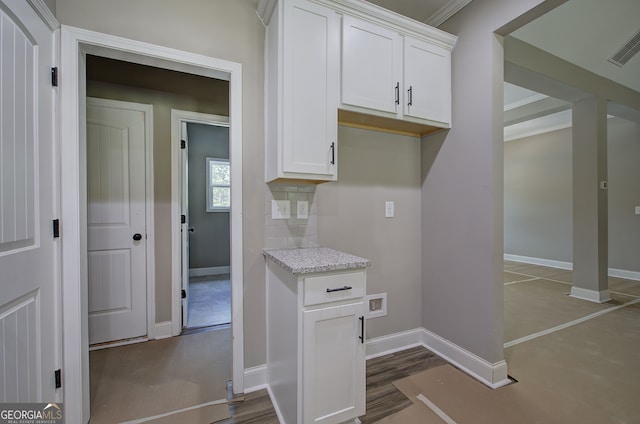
(389,209)
(302,209)
(637,210)
(280,209)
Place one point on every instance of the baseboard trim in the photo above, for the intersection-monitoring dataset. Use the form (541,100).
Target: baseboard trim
(255,378)
(539,261)
(392,343)
(162,330)
(215,270)
(612,272)
(275,405)
(622,273)
(493,375)
(590,295)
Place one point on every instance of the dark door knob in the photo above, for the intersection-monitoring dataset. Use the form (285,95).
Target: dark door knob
(137,236)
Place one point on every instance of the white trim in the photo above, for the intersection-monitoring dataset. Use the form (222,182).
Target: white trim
(590,295)
(275,405)
(234,122)
(393,343)
(613,272)
(119,343)
(439,412)
(150,249)
(214,270)
(544,124)
(622,273)
(255,378)
(493,375)
(445,12)
(523,102)
(45,14)
(162,330)
(539,261)
(75,43)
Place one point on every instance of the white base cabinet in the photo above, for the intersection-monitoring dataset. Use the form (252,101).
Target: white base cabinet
(316,345)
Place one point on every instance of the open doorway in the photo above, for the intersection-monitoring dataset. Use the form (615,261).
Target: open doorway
(76,48)
(206,206)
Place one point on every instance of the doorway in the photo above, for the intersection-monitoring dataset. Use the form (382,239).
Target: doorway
(206,207)
(75,45)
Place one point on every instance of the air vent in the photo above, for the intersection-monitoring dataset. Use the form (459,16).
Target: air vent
(627,51)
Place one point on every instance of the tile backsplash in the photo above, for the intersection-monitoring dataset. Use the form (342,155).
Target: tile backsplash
(292,232)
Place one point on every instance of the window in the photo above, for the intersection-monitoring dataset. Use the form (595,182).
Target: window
(218,185)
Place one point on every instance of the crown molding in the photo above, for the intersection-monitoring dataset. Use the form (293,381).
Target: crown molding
(525,101)
(45,13)
(446,11)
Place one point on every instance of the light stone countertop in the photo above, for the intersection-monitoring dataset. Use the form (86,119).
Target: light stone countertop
(307,260)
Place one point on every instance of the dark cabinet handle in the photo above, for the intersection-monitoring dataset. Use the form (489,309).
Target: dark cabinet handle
(410,90)
(361,336)
(191,229)
(333,153)
(398,93)
(137,236)
(339,289)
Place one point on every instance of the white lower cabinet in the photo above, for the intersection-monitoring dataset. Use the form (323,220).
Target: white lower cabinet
(316,345)
(333,375)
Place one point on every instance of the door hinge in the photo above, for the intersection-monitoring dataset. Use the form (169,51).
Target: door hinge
(183,294)
(57,375)
(54,76)
(56,228)
(183,144)
(183,219)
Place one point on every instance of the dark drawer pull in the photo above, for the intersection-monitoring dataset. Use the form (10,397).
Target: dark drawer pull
(340,289)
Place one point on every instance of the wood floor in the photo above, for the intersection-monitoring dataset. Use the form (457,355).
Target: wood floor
(529,292)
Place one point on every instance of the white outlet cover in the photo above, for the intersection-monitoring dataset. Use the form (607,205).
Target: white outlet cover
(637,210)
(302,209)
(389,209)
(280,209)
(379,312)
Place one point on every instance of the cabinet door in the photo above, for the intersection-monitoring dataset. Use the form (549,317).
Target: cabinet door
(427,81)
(310,92)
(333,378)
(371,66)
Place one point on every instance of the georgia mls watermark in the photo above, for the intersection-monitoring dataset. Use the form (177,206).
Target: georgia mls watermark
(31,413)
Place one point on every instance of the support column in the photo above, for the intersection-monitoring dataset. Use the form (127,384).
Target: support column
(590,214)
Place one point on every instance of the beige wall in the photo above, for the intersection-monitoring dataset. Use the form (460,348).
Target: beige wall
(375,167)
(223,29)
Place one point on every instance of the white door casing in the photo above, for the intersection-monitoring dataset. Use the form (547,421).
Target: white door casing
(184,228)
(75,44)
(29,254)
(116,217)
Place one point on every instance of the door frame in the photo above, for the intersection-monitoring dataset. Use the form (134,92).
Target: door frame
(75,44)
(178,116)
(149,201)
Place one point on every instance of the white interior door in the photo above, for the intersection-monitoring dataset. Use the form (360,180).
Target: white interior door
(184,228)
(116,221)
(29,305)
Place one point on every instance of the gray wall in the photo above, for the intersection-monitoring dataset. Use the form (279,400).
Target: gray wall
(462,185)
(223,29)
(209,243)
(538,199)
(375,167)
(538,220)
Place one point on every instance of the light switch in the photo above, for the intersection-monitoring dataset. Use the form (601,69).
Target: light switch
(280,209)
(303,209)
(389,209)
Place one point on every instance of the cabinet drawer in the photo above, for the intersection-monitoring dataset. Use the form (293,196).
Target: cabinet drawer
(333,288)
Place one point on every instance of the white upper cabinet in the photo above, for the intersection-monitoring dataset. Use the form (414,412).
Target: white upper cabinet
(427,81)
(371,65)
(394,75)
(303,71)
